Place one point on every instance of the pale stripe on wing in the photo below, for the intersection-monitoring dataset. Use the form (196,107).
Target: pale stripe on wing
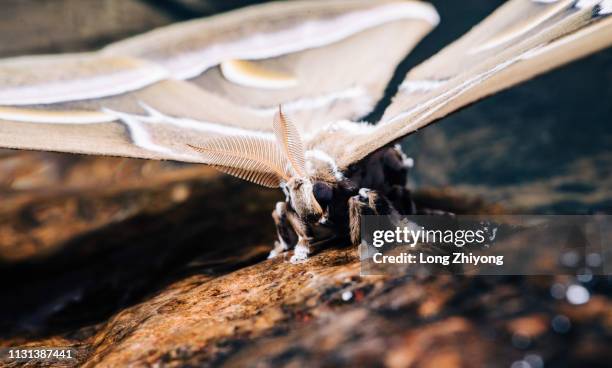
(249,74)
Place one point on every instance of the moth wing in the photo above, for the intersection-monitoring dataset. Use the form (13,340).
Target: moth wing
(321,60)
(105,105)
(520,40)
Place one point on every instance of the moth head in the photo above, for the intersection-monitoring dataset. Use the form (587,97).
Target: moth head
(302,198)
(303,192)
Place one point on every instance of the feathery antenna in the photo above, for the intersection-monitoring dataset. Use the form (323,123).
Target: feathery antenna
(290,142)
(251,158)
(260,160)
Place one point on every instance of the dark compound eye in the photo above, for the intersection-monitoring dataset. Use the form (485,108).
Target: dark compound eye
(323,192)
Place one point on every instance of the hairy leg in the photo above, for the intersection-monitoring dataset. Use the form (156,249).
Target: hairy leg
(367,202)
(292,233)
(304,238)
(287,238)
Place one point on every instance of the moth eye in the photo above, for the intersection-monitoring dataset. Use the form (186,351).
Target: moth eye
(323,192)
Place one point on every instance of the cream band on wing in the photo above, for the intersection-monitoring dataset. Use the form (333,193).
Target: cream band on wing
(54,116)
(250,74)
(187,64)
(49,79)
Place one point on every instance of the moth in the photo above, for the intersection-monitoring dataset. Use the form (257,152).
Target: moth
(272,93)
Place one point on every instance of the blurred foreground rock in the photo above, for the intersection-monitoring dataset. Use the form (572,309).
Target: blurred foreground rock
(323,313)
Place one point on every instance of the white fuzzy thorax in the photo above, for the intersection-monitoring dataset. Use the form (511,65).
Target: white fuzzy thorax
(325,159)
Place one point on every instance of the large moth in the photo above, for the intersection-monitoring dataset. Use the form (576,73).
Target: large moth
(270,94)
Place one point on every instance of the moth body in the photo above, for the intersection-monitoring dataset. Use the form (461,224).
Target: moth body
(328,207)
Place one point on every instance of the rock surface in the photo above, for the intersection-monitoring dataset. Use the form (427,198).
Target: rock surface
(323,313)
(168,287)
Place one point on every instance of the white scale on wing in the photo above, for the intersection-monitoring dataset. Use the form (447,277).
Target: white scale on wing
(141,137)
(420,86)
(604,5)
(85,88)
(448,96)
(312,34)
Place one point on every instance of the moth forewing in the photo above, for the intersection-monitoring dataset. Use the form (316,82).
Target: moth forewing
(313,57)
(151,122)
(96,102)
(110,103)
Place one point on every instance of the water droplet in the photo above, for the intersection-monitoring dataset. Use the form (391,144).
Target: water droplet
(520,341)
(561,324)
(570,259)
(180,193)
(557,291)
(534,360)
(584,275)
(593,259)
(520,364)
(347,295)
(577,294)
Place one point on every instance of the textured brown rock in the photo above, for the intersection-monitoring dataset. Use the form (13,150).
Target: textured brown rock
(128,270)
(323,313)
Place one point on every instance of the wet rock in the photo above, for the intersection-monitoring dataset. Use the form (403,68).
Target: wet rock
(277,313)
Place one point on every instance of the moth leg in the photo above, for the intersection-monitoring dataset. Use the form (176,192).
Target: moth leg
(401,197)
(287,238)
(302,250)
(303,247)
(292,233)
(279,247)
(367,202)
